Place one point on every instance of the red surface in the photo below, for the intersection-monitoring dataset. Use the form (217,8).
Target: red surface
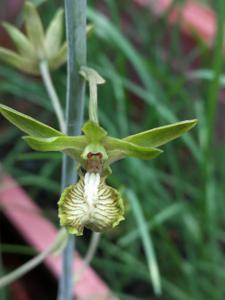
(194,18)
(39,232)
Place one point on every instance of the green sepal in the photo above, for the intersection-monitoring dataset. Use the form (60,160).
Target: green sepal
(54,33)
(27,124)
(34,29)
(71,145)
(21,42)
(118,149)
(59,59)
(161,135)
(93,132)
(12,58)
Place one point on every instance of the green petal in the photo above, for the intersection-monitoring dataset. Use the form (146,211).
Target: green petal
(71,145)
(54,34)
(17,61)
(118,149)
(34,28)
(28,124)
(93,132)
(75,212)
(21,42)
(161,135)
(60,58)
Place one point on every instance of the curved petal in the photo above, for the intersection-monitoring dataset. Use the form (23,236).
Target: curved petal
(118,149)
(161,135)
(71,145)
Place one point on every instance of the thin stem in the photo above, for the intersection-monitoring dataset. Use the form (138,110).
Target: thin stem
(76,37)
(31,264)
(93,102)
(46,77)
(95,238)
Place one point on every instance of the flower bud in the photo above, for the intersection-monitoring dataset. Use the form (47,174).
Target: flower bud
(37,45)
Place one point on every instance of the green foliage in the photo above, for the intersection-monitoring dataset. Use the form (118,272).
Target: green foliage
(148,85)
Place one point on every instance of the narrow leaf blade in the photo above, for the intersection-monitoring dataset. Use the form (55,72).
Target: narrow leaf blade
(27,124)
(161,135)
(147,242)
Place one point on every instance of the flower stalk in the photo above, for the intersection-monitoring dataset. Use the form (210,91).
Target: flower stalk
(76,36)
(47,80)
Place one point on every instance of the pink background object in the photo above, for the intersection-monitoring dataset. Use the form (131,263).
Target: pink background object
(27,218)
(194,18)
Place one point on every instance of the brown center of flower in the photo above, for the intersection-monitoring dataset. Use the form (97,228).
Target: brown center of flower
(94,162)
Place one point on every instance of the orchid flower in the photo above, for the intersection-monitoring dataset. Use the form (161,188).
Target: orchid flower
(91,202)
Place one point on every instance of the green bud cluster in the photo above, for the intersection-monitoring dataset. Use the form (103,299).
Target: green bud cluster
(36,45)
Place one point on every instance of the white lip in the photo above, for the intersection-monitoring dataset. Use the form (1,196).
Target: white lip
(91,185)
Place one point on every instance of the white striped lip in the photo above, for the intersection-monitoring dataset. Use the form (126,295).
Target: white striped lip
(91,185)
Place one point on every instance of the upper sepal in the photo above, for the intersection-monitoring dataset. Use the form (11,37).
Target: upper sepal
(93,132)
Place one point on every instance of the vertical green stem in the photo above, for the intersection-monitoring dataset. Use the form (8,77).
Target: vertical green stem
(76,37)
(45,74)
(217,68)
(211,110)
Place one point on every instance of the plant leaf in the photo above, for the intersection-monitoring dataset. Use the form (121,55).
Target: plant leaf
(28,124)
(161,135)
(146,242)
(118,149)
(17,61)
(34,28)
(54,34)
(21,42)
(71,145)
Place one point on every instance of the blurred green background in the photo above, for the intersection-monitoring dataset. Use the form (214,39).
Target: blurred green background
(155,76)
